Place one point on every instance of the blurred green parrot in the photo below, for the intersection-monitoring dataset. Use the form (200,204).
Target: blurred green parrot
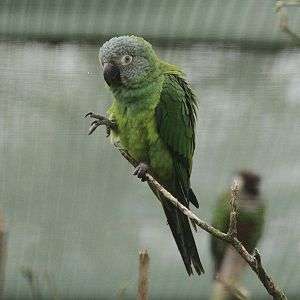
(228,265)
(153,115)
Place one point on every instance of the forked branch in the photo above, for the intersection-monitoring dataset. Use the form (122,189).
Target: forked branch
(254,261)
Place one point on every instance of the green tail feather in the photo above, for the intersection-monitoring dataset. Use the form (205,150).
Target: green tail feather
(183,236)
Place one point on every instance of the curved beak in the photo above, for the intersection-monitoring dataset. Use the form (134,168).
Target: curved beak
(111,73)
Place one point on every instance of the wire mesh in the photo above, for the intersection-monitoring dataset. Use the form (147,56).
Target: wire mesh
(75,216)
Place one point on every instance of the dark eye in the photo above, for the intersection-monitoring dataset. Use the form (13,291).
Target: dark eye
(126,60)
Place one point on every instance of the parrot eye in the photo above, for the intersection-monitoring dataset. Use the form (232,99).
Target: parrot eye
(126,60)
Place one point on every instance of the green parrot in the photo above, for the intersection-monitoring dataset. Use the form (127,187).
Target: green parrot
(250,224)
(153,117)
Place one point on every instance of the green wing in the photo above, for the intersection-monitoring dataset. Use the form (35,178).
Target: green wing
(175,118)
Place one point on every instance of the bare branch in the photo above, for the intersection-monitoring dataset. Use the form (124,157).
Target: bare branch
(254,261)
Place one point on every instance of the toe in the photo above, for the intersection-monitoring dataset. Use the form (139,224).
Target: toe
(107,133)
(93,127)
(140,173)
(88,114)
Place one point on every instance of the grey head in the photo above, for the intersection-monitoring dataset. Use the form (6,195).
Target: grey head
(249,182)
(127,60)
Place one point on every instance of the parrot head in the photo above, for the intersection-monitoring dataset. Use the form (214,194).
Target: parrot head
(249,182)
(127,61)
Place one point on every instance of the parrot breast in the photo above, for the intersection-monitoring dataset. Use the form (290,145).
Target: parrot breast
(137,133)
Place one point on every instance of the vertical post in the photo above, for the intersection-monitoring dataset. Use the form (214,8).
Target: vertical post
(143,283)
(3,253)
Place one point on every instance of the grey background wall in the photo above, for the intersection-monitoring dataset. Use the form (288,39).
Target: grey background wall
(73,211)
(251,21)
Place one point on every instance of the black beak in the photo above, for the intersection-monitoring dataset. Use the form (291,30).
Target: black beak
(111,73)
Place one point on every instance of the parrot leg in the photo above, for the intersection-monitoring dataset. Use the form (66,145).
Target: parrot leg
(100,120)
(141,170)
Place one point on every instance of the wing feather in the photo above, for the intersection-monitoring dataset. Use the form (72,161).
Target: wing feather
(175,118)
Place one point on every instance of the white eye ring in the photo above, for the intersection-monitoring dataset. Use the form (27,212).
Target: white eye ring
(126,60)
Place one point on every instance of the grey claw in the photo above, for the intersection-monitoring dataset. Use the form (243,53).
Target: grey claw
(88,114)
(108,131)
(93,127)
(95,122)
(140,171)
(94,116)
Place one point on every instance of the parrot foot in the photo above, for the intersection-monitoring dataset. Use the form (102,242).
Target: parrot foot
(100,120)
(141,170)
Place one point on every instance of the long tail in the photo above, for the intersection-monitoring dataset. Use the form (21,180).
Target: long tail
(183,236)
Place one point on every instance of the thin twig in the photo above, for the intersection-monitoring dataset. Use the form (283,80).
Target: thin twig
(143,283)
(281,9)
